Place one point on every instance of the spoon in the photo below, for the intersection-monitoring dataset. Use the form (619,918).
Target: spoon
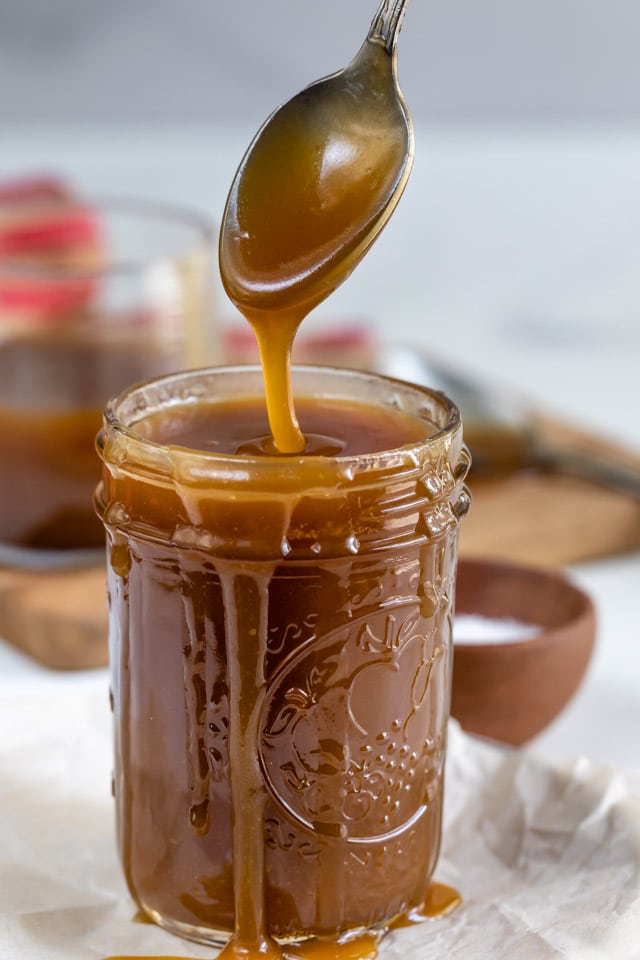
(502,430)
(313,191)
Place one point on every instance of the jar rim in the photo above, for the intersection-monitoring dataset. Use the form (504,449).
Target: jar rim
(211,491)
(126,409)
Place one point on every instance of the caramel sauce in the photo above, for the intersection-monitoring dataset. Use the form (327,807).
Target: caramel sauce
(439,901)
(53,386)
(307,201)
(331,428)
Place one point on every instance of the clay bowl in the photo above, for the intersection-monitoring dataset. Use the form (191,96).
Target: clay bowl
(512,689)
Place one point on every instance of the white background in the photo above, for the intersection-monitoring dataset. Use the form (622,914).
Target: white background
(211,60)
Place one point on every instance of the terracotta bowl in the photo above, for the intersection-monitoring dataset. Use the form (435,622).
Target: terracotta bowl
(512,689)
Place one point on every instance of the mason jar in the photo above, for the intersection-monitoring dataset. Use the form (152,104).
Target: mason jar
(281,649)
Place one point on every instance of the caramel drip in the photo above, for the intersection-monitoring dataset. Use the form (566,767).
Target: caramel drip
(246,609)
(439,901)
(275,335)
(198,641)
(120,662)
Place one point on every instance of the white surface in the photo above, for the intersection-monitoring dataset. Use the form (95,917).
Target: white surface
(472,628)
(516,826)
(513,254)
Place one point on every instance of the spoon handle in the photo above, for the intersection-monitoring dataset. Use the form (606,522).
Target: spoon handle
(386,24)
(599,470)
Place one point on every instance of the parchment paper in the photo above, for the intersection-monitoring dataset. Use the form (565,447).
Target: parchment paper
(547,857)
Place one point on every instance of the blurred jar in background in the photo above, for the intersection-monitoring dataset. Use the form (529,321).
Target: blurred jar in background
(94,296)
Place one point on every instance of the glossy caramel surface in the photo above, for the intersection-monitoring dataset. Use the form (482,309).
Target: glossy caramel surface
(331,427)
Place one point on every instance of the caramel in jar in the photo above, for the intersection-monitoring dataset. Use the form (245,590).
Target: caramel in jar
(280,649)
(93,297)
(53,385)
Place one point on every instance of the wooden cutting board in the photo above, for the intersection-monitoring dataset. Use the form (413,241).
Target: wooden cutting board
(553,520)
(60,619)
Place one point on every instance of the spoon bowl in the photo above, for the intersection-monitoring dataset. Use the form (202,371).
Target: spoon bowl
(319,181)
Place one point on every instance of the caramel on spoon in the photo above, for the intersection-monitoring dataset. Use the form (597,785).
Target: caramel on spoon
(314,189)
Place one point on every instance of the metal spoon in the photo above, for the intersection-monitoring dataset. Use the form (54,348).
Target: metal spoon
(501,428)
(319,181)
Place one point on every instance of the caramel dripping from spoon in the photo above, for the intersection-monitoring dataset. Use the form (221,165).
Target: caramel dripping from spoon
(313,191)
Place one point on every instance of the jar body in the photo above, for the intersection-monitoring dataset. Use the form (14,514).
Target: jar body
(286,705)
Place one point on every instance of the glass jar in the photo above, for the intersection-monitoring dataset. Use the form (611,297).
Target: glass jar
(94,295)
(281,659)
